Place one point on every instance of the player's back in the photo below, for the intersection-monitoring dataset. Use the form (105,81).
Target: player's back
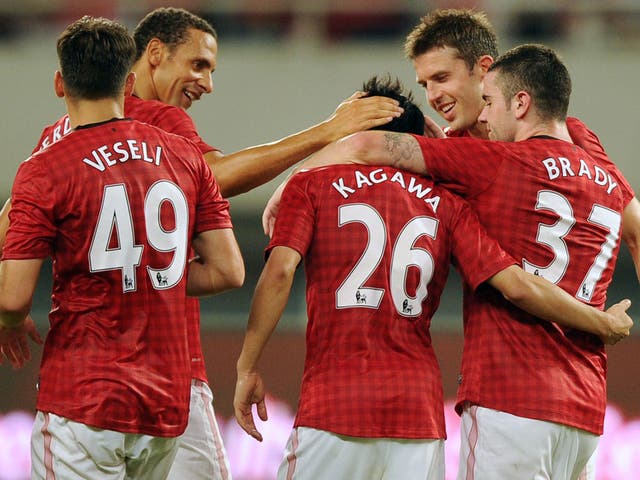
(558,211)
(564,224)
(120,210)
(377,244)
(166,117)
(173,120)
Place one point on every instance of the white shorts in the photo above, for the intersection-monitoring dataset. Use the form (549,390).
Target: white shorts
(64,449)
(589,471)
(201,454)
(499,446)
(313,454)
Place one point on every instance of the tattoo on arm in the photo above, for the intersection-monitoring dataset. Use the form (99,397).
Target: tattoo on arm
(403,150)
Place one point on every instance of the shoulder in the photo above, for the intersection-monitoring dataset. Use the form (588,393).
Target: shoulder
(151,111)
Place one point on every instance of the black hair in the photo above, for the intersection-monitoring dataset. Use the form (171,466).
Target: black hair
(411,120)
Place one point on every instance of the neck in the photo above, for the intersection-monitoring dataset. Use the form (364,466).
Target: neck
(144,87)
(85,112)
(552,128)
(479,130)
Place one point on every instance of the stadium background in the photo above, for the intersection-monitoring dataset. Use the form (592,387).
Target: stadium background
(284,65)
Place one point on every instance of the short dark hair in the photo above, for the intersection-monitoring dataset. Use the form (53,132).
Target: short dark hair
(468,31)
(95,55)
(411,120)
(538,70)
(171,26)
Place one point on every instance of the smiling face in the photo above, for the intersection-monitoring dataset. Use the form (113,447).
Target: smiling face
(453,90)
(183,75)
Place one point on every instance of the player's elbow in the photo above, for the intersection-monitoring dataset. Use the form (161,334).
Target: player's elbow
(518,294)
(281,274)
(230,277)
(356,147)
(235,279)
(516,286)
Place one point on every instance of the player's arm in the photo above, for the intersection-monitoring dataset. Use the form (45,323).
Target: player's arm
(377,147)
(4,222)
(219,265)
(547,301)
(631,231)
(17,283)
(18,280)
(241,171)
(269,300)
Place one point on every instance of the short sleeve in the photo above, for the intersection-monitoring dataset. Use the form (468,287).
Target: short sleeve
(295,222)
(590,143)
(466,166)
(212,211)
(32,225)
(476,255)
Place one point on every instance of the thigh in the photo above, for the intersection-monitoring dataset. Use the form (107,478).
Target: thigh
(62,448)
(414,459)
(499,446)
(319,455)
(148,457)
(201,454)
(571,459)
(589,471)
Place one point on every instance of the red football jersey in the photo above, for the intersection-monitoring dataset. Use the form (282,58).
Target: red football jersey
(173,120)
(115,204)
(167,117)
(377,244)
(589,141)
(558,211)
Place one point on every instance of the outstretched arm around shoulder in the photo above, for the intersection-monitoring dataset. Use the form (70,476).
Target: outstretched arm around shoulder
(246,169)
(376,147)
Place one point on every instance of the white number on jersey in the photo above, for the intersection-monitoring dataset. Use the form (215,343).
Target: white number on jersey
(553,236)
(115,217)
(353,294)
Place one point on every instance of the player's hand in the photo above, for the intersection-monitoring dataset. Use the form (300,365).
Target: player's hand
(249,390)
(14,346)
(359,112)
(271,210)
(619,323)
(432,129)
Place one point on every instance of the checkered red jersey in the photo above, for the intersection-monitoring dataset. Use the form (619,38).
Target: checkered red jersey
(558,211)
(115,204)
(173,120)
(589,141)
(377,244)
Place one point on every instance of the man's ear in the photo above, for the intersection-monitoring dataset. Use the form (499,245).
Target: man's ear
(155,51)
(58,84)
(129,84)
(522,103)
(484,62)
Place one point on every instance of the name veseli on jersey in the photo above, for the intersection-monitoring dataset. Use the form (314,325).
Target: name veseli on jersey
(123,151)
(107,155)
(378,176)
